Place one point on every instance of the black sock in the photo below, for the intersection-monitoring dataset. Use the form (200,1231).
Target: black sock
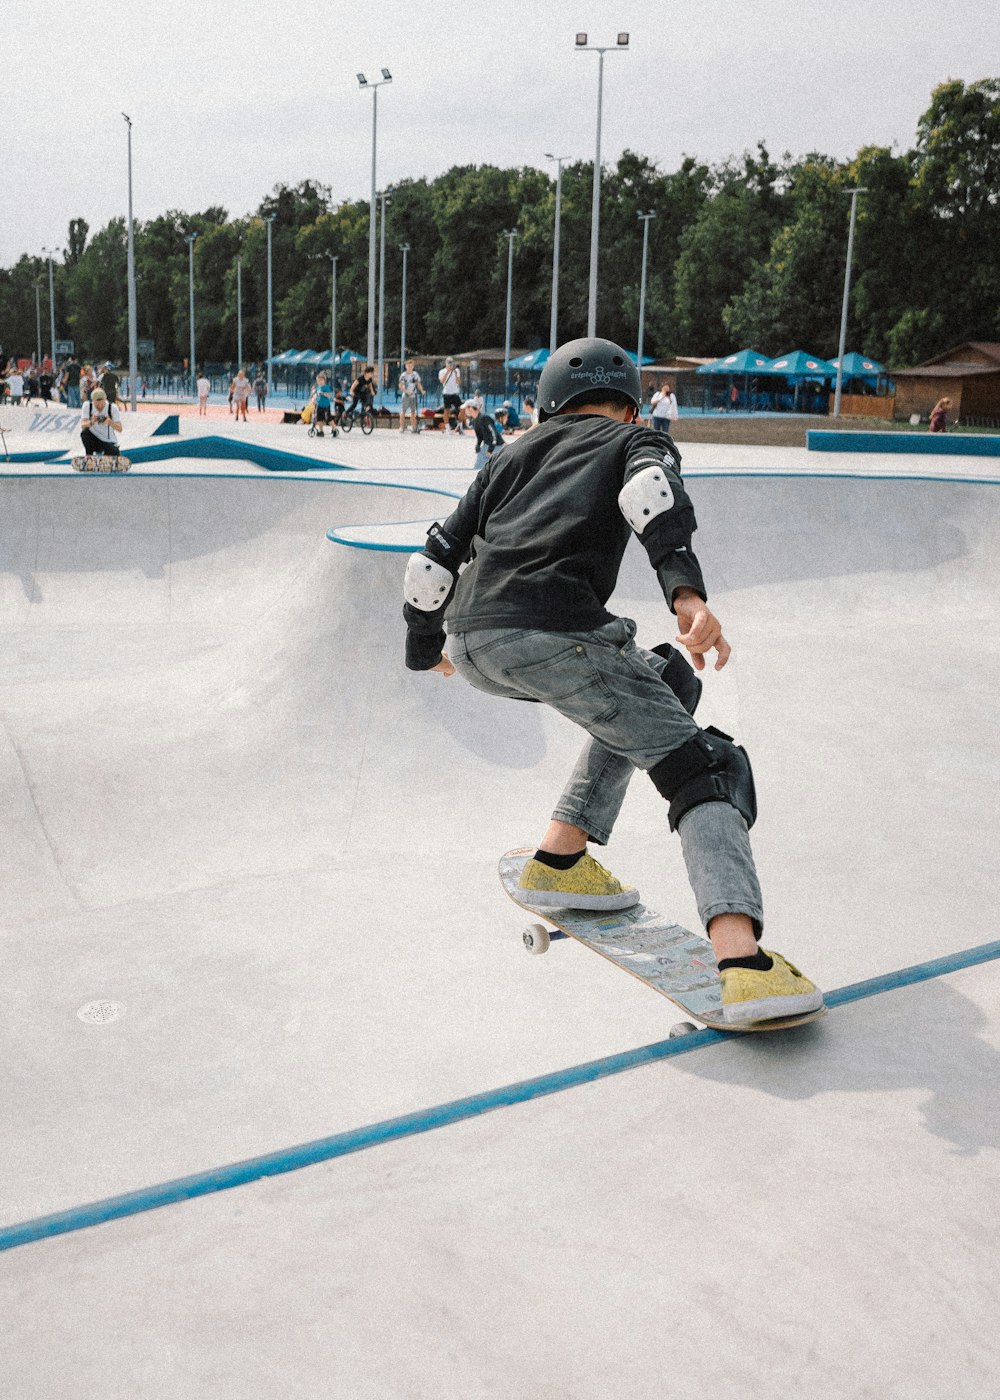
(558,862)
(759,962)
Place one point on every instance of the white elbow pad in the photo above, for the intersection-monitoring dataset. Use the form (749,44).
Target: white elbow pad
(646,496)
(427,583)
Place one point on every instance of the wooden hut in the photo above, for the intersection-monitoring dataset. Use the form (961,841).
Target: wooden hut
(968,374)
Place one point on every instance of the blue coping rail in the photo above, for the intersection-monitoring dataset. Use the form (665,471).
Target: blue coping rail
(917,444)
(326,1149)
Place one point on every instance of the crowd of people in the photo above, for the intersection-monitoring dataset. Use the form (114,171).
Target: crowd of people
(71,384)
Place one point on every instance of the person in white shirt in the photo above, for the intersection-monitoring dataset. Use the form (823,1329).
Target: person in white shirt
(410,385)
(100,424)
(15,385)
(450,379)
(665,410)
(204,389)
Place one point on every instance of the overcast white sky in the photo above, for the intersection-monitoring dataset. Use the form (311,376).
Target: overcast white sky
(228,99)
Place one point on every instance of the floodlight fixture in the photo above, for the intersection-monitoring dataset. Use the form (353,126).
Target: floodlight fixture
(386,75)
(581,41)
(623,40)
(362,80)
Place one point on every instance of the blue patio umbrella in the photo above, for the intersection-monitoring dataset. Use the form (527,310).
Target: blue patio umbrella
(799,364)
(534,359)
(348,357)
(300,357)
(741,362)
(282,359)
(646,359)
(860,366)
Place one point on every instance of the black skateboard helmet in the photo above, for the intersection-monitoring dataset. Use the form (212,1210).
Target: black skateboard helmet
(583,366)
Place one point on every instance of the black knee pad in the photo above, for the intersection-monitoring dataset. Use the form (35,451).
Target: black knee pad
(679,676)
(708,768)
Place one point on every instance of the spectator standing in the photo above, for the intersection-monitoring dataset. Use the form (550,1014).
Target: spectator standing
(204,389)
(73,373)
(15,385)
(239,392)
(410,386)
(260,389)
(31,382)
(450,379)
(665,410)
(100,424)
(531,413)
(109,383)
(88,382)
(939,416)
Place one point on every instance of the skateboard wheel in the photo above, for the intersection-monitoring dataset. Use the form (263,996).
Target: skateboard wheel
(536,938)
(681,1028)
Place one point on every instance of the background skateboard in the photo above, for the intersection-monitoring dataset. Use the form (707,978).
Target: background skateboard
(101,463)
(675,962)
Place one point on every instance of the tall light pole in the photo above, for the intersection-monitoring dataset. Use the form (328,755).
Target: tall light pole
(38,320)
(333,317)
(642,287)
(374,87)
(269,220)
(595,208)
(52,311)
(404,248)
(133,333)
(190,242)
(384,198)
(860,189)
(510,234)
(239,313)
(554,317)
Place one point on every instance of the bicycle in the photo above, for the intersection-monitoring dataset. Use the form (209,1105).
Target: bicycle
(366,416)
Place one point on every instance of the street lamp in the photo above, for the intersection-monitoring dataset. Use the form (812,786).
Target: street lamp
(642,285)
(333,317)
(595,212)
(554,318)
(269,220)
(860,189)
(52,310)
(510,234)
(133,343)
(239,313)
(38,321)
(190,242)
(374,87)
(384,197)
(404,248)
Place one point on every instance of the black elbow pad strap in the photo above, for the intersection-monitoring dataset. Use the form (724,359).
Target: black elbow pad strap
(709,767)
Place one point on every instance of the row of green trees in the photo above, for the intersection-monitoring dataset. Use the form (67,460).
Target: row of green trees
(749,252)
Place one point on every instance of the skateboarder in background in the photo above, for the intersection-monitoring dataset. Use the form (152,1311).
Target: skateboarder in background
(543,529)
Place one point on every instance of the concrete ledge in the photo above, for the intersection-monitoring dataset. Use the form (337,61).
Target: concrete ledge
(272,459)
(925,444)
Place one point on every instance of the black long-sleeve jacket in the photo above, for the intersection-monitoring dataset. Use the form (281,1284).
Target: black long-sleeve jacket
(544,536)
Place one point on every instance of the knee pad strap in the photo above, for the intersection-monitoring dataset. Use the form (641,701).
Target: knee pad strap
(707,768)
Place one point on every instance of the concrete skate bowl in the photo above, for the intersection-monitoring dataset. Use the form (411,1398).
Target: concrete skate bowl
(228,805)
(197,686)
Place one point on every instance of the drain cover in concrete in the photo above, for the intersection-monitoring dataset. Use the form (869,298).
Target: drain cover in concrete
(98,1013)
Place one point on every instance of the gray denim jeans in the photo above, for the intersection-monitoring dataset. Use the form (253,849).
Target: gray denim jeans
(614,690)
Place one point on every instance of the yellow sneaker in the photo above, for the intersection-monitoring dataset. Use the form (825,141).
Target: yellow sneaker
(586,885)
(748,995)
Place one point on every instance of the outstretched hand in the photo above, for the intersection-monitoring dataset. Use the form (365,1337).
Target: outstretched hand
(702,631)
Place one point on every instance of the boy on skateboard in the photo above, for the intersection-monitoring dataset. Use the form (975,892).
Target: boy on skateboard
(542,530)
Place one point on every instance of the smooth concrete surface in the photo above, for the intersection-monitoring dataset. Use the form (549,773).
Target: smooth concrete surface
(230,811)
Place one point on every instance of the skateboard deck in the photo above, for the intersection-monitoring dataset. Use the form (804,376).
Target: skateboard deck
(101,463)
(675,962)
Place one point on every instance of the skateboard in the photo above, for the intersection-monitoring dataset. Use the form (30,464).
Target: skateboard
(675,962)
(101,464)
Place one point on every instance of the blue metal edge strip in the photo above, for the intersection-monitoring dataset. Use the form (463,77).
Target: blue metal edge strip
(326,1149)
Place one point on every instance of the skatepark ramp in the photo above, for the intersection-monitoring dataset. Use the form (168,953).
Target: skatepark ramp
(250,899)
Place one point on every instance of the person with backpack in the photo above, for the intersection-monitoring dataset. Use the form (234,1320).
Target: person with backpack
(100,425)
(522,571)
